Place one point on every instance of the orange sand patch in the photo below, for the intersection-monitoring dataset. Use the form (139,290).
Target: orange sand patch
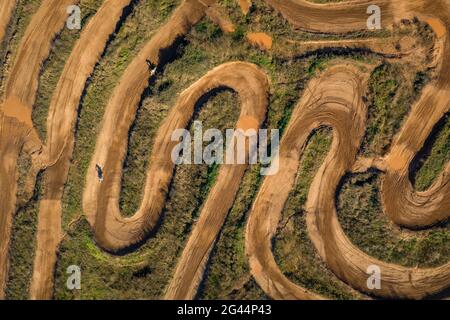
(397,161)
(437,26)
(261,39)
(246,122)
(245,5)
(13,108)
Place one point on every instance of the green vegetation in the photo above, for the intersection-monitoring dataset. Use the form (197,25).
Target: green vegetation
(363,220)
(54,66)
(432,165)
(145,272)
(16,28)
(294,252)
(393,88)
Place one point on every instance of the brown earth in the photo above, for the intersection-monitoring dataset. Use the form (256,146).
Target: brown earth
(345,113)
(252,86)
(261,39)
(14,109)
(334,99)
(6,9)
(60,139)
(102,212)
(386,47)
(20,93)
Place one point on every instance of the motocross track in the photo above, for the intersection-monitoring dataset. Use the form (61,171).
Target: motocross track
(346,115)
(56,155)
(334,99)
(17,132)
(6,9)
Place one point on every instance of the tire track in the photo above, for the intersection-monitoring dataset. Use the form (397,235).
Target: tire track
(17,130)
(333,100)
(346,117)
(252,87)
(6,10)
(60,139)
(101,200)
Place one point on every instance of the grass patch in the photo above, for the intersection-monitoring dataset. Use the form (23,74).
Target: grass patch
(294,252)
(362,219)
(430,166)
(145,273)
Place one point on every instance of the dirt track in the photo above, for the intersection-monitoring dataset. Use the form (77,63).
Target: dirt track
(252,86)
(332,18)
(334,100)
(58,150)
(20,93)
(100,201)
(6,9)
(402,203)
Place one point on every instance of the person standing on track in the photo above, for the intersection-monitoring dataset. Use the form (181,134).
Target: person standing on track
(99,172)
(152,67)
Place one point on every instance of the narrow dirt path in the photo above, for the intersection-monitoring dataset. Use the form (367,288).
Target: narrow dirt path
(335,101)
(252,87)
(15,135)
(60,138)
(101,200)
(6,10)
(402,203)
(34,48)
(17,131)
(384,47)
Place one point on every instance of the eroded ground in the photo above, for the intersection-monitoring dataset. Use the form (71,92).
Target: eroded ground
(364,152)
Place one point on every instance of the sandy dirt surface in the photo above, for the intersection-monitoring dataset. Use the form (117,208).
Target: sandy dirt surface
(245,5)
(15,135)
(59,145)
(20,93)
(402,203)
(252,86)
(14,109)
(260,39)
(101,200)
(333,99)
(34,49)
(393,47)
(345,113)
(331,18)
(6,9)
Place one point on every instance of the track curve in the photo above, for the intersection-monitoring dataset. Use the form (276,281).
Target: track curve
(57,152)
(333,100)
(402,203)
(18,101)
